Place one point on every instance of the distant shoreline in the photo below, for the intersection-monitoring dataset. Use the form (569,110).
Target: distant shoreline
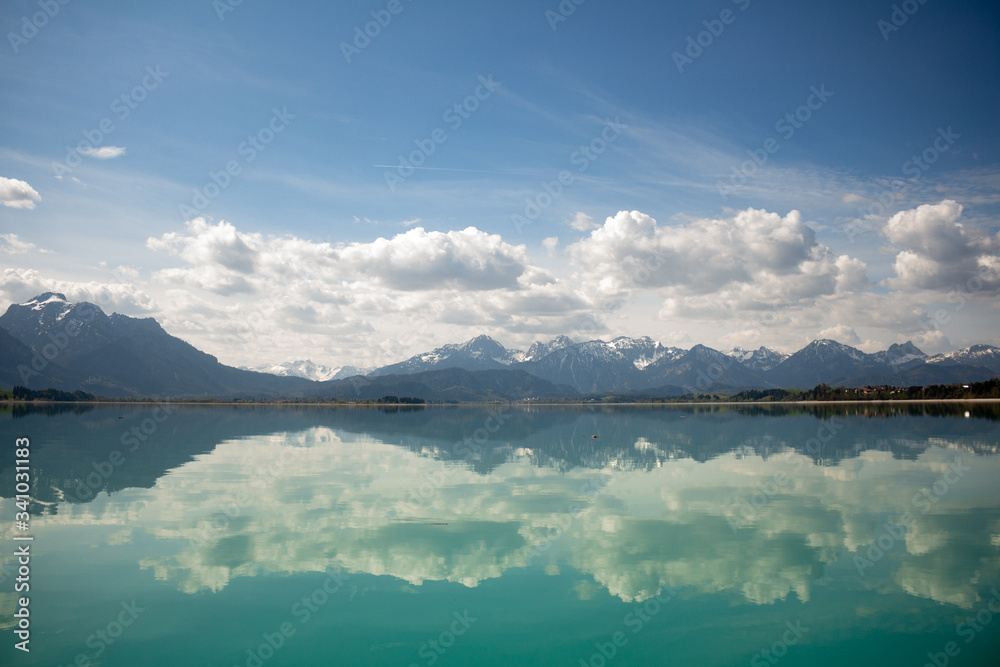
(283,404)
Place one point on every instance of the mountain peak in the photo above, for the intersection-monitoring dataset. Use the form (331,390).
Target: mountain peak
(986,356)
(540,350)
(483,344)
(826,341)
(45,299)
(303,368)
(481,339)
(761,359)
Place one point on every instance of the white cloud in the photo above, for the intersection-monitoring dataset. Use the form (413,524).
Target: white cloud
(322,300)
(12,245)
(208,244)
(749,278)
(209,278)
(104,152)
(129,272)
(551,244)
(939,253)
(17,194)
(852,274)
(841,333)
(932,231)
(734,262)
(221,257)
(19,285)
(583,223)
(422,260)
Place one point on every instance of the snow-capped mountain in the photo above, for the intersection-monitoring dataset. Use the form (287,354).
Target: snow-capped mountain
(591,366)
(635,364)
(761,359)
(53,342)
(36,321)
(641,352)
(351,371)
(478,354)
(304,369)
(900,355)
(986,356)
(700,369)
(540,350)
(44,302)
(836,364)
(821,361)
(49,341)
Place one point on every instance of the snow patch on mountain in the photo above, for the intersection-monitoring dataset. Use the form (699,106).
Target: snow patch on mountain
(305,368)
(986,356)
(43,300)
(761,359)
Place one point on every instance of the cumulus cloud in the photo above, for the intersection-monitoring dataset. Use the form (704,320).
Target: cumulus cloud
(749,278)
(420,259)
(938,252)
(12,245)
(129,272)
(103,152)
(442,285)
(17,194)
(551,244)
(224,260)
(841,333)
(852,274)
(207,244)
(751,257)
(209,278)
(582,222)
(19,285)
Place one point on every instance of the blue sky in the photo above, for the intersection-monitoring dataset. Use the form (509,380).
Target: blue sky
(285,261)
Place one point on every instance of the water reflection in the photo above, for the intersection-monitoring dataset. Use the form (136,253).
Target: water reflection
(758,503)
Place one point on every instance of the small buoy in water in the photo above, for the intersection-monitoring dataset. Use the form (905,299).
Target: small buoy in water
(967,415)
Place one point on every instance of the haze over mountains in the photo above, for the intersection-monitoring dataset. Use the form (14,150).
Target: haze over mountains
(51,342)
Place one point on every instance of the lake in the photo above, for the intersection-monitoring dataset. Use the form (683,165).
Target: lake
(505,535)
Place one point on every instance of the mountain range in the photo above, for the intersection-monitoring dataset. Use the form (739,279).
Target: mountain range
(636,364)
(52,342)
(309,370)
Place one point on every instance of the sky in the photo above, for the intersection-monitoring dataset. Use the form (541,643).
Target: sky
(357,182)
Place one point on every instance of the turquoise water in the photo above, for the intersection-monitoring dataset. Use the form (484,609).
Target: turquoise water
(507,536)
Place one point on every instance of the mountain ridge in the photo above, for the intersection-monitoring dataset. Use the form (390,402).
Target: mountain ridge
(51,341)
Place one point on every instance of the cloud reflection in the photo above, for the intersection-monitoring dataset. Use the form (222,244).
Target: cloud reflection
(306,501)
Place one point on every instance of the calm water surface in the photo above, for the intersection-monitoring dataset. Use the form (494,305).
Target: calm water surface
(507,536)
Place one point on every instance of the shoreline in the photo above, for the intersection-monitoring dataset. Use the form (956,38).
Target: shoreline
(280,403)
